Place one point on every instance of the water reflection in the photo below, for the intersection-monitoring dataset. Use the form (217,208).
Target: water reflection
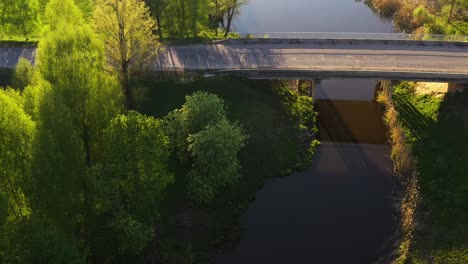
(309,16)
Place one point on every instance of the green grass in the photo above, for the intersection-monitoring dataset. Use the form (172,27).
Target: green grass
(188,232)
(438,132)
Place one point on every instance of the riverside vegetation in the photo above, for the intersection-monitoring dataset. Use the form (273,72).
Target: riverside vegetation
(449,17)
(102,164)
(174,19)
(435,129)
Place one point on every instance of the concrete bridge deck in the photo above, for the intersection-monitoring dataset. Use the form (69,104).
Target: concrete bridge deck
(319,58)
(313,60)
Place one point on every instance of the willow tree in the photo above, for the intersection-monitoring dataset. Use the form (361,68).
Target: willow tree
(74,101)
(17,135)
(19,17)
(127,28)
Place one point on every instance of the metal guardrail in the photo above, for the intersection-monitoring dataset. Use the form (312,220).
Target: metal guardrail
(340,35)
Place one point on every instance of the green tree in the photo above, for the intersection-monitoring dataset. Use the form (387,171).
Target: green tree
(127,28)
(215,164)
(23,74)
(19,17)
(71,58)
(74,101)
(199,110)
(132,179)
(17,136)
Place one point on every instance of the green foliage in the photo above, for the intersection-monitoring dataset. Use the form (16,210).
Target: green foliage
(71,58)
(437,130)
(86,7)
(200,130)
(36,241)
(300,108)
(63,13)
(23,75)
(19,17)
(132,178)
(194,18)
(127,29)
(425,17)
(3,209)
(17,135)
(271,150)
(422,15)
(215,163)
(200,109)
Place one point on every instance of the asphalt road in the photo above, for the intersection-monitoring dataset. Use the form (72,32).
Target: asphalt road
(314,56)
(339,57)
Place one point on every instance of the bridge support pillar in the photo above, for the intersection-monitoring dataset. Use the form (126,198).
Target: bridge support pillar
(317,85)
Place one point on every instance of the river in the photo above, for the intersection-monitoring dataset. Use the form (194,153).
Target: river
(339,210)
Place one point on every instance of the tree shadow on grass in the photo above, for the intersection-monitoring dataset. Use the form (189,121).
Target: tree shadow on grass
(440,147)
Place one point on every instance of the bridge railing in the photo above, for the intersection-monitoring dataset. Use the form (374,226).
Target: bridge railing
(340,35)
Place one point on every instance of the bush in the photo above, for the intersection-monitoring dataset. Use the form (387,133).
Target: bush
(215,163)
(404,20)
(388,7)
(23,74)
(200,109)
(421,15)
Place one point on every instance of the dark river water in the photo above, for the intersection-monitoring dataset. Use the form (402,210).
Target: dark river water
(309,16)
(340,209)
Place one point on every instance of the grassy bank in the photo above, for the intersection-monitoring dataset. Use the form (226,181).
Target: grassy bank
(437,131)
(425,17)
(405,170)
(189,233)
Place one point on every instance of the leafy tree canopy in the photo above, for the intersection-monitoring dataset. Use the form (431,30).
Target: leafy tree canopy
(19,17)
(133,177)
(215,165)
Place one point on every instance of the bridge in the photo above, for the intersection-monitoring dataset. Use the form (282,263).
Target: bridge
(313,56)
(326,55)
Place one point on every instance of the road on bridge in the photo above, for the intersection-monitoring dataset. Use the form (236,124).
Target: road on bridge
(383,59)
(380,58)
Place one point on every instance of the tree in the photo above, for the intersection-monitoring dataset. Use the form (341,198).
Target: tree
(158,8)
(73,102)
(19,17)
(23,74)
(71,58)
(127,28)
(132,178)
(17,137)
(451,10)
(215,164)
(199,110)
(231,8)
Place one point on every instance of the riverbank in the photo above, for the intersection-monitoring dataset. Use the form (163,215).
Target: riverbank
(405,173)
(270,115)
(436,132)
(425,17)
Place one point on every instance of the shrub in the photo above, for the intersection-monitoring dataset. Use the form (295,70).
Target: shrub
(23,74)
(404,20)
(388,7)
(215,163)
